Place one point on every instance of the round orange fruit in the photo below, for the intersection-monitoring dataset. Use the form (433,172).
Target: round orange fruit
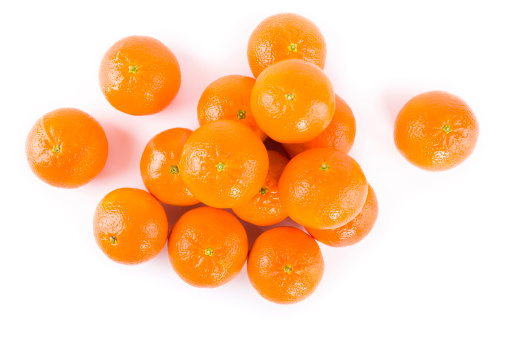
(323,188)
(355,230)
(160,167)
(228,98)
(66,148)
(285,265)
(207,247)
(293,101)
(265,208)
(436,131)
(339,135)
(224,164)
(130,226)
(139,75)
(285,36)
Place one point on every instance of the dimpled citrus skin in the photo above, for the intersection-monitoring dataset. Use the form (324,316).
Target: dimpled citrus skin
(285,36)
(139,75)
(265,208)
(228,98)
(224,164)
(160,165)
(130,226)
(323,188)
(66,148)
(339,135)
(355,230)
(293,101)
(436,131)
(207,247)
(285,265)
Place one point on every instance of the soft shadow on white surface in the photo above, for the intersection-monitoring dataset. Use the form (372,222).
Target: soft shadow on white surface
(120,144)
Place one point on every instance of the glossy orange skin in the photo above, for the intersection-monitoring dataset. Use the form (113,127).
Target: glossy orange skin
(130,226)
(276,251)
(419,131)
(228,98)
(200,230)
(154,84)
(265,208)
(235,147)
(339,135)
(323,198)
(355,230)
(271,42)
(66,148)
(293,101)
(160,157)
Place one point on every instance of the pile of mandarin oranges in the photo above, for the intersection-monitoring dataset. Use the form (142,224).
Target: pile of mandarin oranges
(224,164)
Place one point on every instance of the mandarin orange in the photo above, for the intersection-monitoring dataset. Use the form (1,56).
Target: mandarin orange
(436,131)
(66,148)
(323,188)
(339,135)
(285,265)
(224,164)
(207,247)
(139,75)
(355,230)
(265,208)
(228,98)
(130,226)
(160,167)
(293,101)
(285,36)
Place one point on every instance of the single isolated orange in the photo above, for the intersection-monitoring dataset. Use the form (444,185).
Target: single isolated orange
(66,148)
(139,75)
(436,131)
(207,247)
(160,167)
(285,265)
(323,188)
(265,208)
(293,101)
(130,226)
(339,135)
(228,98)
(355,230)
(285,36)
(224,164)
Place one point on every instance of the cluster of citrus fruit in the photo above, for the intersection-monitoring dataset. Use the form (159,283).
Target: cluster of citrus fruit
(225,164)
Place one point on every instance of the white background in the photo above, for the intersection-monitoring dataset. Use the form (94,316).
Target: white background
(434,264)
